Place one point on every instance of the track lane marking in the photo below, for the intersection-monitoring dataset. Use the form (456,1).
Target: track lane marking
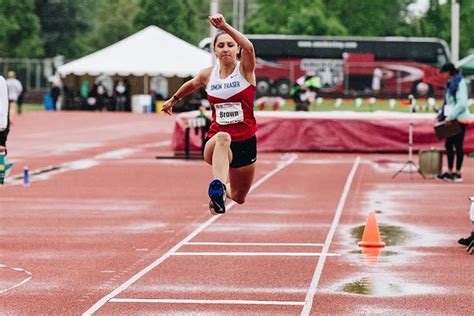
(28,277)
(220,302)
(288,254)
(280,166)
(81,164)
(210,243)
(337,216)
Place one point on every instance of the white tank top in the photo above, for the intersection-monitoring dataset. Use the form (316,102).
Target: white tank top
(227,87)
(232,102)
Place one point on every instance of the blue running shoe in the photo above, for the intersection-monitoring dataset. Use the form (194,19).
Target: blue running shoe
(217,196)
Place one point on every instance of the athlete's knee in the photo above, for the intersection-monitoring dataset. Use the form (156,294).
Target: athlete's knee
(223,138)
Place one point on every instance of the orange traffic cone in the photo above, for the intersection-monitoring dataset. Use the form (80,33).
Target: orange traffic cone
(371,236)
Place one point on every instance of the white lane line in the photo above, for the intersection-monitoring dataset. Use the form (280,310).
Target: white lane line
(183,301)
(81,164)
(337,216)
(28,277)
(281,165)
(285,254)
(210,243)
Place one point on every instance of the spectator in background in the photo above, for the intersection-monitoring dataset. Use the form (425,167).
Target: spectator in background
(312,82)
(120,96)
(305,90)
(454,109)
(377,80)
(20,101)
(84,89)
(55,91)
(299,94)
(4,114)
(15,88)
(128,89)
(99,96)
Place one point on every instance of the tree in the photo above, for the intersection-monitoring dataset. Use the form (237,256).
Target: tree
(19,29)
(436,22)
(466,30)
(63,25)
(175,17)
(371,18)
(300,17)
(200,10)
(113,22)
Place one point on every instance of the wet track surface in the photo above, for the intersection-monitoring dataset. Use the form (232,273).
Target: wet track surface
(100,211)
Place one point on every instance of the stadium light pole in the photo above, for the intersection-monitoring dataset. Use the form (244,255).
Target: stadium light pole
(235,13)
(241,15)
(454,31)
(214,10)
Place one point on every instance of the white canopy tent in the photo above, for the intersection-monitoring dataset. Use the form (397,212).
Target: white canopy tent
(149,52)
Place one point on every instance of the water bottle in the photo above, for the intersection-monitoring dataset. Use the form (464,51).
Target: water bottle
(26,176)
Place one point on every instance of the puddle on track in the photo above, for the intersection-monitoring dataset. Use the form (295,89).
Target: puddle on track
(366,286)
(391,235)
(379,285)
(378,282)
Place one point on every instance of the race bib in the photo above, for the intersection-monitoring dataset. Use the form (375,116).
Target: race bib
(229,113)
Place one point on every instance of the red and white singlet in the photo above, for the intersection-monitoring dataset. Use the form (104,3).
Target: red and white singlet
(231,102)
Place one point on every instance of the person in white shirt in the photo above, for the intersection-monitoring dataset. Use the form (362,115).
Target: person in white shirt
(14,91)
(3,114)
(377,80)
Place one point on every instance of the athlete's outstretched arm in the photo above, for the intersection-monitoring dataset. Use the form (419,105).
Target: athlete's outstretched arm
(3,104)
(248,59)
(187,88)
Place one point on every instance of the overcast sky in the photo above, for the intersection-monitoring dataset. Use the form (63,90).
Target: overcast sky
(419,7)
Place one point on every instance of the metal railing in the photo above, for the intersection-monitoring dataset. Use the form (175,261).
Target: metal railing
(33,73)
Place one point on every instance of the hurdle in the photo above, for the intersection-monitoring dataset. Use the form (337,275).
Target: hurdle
(198,124)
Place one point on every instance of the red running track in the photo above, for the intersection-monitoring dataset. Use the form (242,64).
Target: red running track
(111,230)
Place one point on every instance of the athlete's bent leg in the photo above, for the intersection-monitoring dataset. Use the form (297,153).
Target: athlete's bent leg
(240,182)
(218,154)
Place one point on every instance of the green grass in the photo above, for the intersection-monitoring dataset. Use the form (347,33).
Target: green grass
(365,106)
(328,105)
(27,107)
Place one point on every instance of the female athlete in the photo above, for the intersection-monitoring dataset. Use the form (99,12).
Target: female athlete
(231,146)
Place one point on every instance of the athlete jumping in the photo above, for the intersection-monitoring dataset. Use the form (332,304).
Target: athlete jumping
(231,146)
